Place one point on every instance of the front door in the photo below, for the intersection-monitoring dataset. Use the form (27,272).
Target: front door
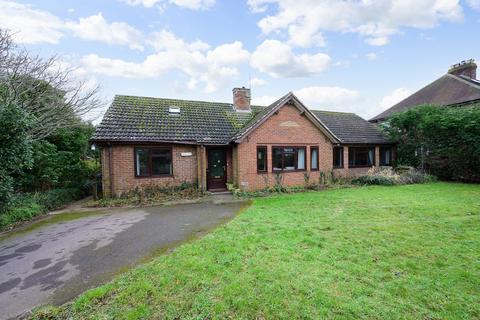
(217,169)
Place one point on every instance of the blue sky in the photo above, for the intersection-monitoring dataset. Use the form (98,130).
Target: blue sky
(355,56)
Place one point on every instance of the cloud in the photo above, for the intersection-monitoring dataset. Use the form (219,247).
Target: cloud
(278,60)
(329,98)
(188,4)
(257,82)
(96,28)
(30,25)
(375,21)
(396,96)
(263,100)
(371,56)
(212,68)
(474,4)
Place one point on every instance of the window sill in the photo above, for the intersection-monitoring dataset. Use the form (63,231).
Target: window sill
(262,172)
(342,167)
(155,177)
(286,171)
(362,166)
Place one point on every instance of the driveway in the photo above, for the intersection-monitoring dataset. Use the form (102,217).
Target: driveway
(58,260)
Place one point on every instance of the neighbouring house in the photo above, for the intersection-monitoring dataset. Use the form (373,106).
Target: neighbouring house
(459,87)
(152,141)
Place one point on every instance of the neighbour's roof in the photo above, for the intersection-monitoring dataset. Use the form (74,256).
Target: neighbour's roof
(145,119)
(350,128)
(447,90)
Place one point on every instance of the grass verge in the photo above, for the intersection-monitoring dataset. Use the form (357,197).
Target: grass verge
(372,252)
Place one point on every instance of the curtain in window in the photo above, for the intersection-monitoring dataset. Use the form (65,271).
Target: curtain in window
(314,164)
(301,159)
(370,157)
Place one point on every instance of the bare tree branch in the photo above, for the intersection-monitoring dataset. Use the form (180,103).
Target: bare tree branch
(46,89)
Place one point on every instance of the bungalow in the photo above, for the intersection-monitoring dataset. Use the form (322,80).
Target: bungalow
(147,141)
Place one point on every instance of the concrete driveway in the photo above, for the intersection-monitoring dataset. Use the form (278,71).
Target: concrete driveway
(56,261)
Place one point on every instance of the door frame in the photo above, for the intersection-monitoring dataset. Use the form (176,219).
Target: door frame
(224,182)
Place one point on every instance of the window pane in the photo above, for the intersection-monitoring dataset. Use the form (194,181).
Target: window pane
(361,156)
(277,159)
(288,159)
(262,159)
(338,157)
(141,158)
(161,161)
(385,156)
(300,159)
(314,160)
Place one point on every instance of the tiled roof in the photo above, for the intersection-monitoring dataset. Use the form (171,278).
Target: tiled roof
(143,119)
(148,119)
(448,90)
(350,128)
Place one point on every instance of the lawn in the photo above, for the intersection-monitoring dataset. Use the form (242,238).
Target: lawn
(372,252)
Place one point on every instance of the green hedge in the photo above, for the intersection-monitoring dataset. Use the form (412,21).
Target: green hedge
(29,205)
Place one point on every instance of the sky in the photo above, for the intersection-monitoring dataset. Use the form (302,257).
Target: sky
(352,56)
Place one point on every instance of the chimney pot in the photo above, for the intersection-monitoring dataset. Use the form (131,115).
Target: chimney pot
(241,99)
(466,68)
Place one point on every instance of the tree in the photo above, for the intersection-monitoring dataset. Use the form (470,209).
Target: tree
(44,88)
(443,140)
(15,149)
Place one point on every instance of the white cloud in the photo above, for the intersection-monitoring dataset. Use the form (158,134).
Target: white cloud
(212,68)
(371,56)
(263,100)
(329,98)
(257,82)
(376,21)
(278,60)
(30,25)
(396,96)
(188,4)
(475,4)
(97,28)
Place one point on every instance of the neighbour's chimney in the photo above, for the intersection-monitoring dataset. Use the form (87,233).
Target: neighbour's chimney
(241,99)
(466,68)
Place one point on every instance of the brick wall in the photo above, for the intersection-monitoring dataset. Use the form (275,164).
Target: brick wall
(123,169)
(286,128)
(352,172)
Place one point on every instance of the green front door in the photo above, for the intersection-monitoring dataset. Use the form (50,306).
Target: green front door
(217,169)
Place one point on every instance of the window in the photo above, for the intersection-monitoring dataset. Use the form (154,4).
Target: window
(386,156)
(338,157)
(361,156)
(262,159)
(288,158)
(153,162)
(313,158)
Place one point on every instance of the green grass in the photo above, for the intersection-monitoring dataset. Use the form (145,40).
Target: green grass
(372,252)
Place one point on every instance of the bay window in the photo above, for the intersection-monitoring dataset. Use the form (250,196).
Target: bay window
(361,156)
(338,157)
(386,156)
(288,158)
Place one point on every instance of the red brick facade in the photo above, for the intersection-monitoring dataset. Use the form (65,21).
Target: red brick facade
(287,127)
(122,164)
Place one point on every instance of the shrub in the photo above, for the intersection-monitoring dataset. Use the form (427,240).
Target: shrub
(389,177)
(29,205)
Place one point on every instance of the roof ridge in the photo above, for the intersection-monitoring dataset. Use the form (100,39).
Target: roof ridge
(173,99)
(314,110)
(458,78)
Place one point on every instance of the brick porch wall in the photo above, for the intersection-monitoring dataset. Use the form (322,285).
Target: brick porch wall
(123,169)
(286,128)
(352,172)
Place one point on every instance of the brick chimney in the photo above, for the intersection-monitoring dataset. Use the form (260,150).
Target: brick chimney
(466,68)
(241,99)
